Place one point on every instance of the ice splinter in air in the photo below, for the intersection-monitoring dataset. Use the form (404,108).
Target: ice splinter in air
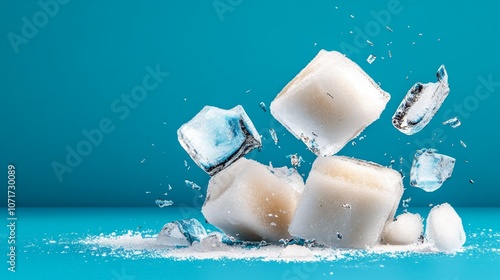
(421,103)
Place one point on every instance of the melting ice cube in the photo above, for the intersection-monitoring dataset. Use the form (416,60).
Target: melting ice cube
(444,228)
(430,169)
(329,103)
(252,202)
(405,229)
(421,103)
(181,233)
(215,138)
(346,202)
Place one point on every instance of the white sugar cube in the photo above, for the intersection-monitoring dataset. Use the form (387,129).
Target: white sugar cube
(346,202)
(444,228)
(253,202)
(329,103)
(406,229)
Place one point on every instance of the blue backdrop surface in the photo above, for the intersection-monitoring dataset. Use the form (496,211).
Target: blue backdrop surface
(93,92)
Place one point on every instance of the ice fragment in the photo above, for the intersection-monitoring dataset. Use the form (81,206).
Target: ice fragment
(430,169)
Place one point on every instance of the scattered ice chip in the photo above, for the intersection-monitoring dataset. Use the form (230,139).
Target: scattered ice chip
(274,136)
(143,160)
(430,169)
(453,122)
(163,203)
(388,28)
(463,144)
(295,160)
(181,233)
(372,192)
(245,199)
(421,103)
(192,185)
(370,43)
(390,53)
(210,243)
(406,202)
(332,97)
(371,58)
(405,229)
(471,181)
(262,105)
(352,16)
(444,228)
(215,138)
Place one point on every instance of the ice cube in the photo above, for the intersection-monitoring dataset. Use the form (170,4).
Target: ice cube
(215,138)
(371,58)
(252,202)
(453,122)
(444,228)
(181,233)
(346,202)
(430,169)
(421,103)
(406,229)
(329,103)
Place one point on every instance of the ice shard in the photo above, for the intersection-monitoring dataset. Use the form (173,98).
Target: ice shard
(181,233)
(421,104)
(430,169)
(329,102)
(252,202)
(346,202)
(215,137)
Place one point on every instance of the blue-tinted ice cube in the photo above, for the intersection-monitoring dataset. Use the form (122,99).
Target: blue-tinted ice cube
(421,104)
(215,137)
(181,233)
(430,169)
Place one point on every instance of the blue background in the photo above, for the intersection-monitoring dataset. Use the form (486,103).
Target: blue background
(65,78)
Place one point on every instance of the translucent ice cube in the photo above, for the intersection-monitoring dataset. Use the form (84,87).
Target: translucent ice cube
(346,202)
(215,138)
(407,228)
(181,233)
(444,228)
(253,202)
(329,103)
(430,169)
(421,104)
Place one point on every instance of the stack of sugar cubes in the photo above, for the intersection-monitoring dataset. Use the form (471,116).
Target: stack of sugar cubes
(345,202)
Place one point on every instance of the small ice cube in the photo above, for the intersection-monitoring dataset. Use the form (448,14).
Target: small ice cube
(346,202)
(245,199)
(405,229)
(453,122)
(215,138)
(430,169)
(421,103)
(444,228)
(371,58)
(332,97)
(274,136)
(181,233)
(164,203)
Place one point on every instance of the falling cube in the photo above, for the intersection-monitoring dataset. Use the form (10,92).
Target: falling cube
(346,202)
(215,137)
(421,103)
(329,103)
(430,169)
(252,202)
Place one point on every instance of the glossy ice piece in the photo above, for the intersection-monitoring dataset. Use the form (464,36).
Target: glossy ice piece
(346,202)
(444,229)
(406,229)
(421,104)
(181,233)
(329,103)
(430,169)
(252,202)
(215,138)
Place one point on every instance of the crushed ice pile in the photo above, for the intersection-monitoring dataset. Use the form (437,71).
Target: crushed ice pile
(345,202)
